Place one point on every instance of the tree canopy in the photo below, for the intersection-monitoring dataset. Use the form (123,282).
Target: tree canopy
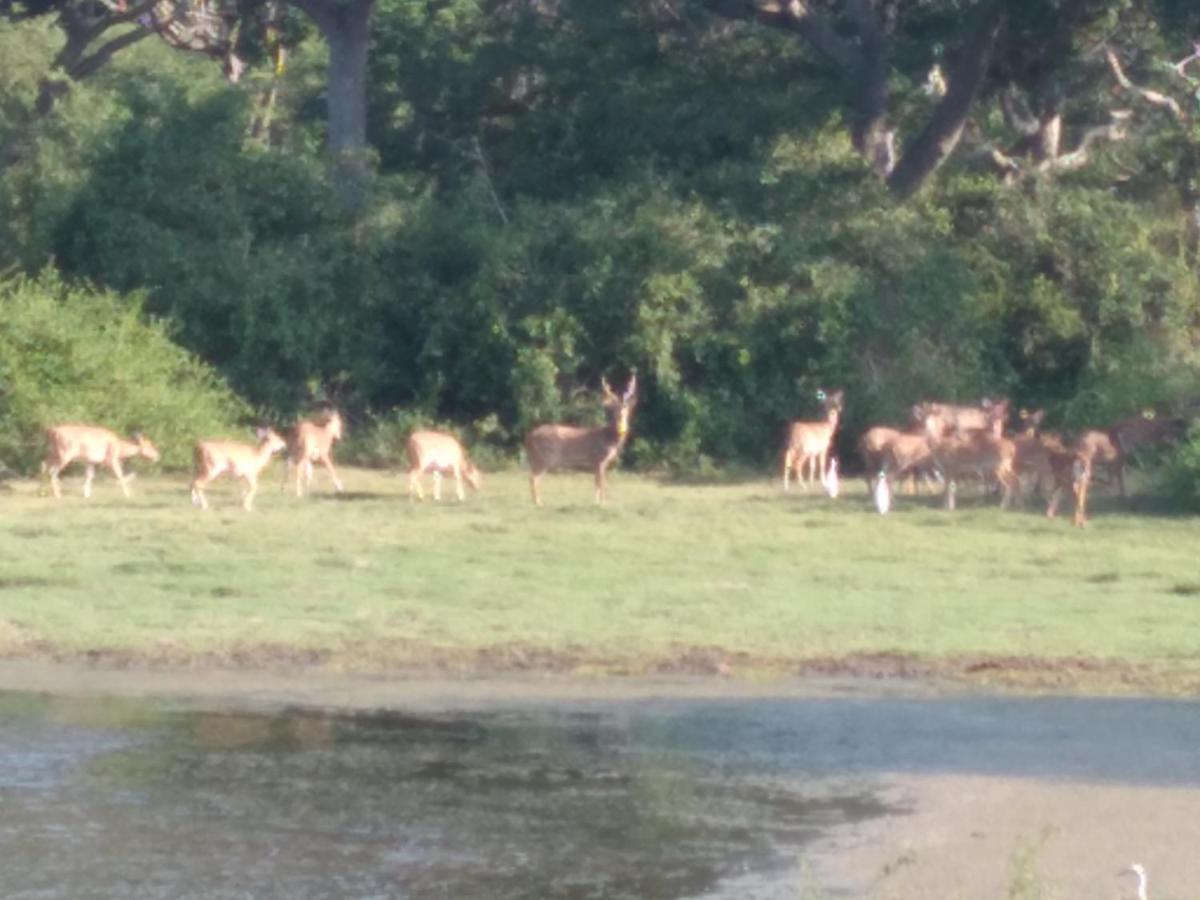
(746,199)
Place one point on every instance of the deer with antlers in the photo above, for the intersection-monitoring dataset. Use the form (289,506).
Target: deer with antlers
(808,443)
(309,442)
(552,447)
(93,446)
(439,453)
(215,458)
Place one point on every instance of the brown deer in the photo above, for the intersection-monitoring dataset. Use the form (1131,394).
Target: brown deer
(93,446)
(552,447)
(914,457)
(906,455)
(974,452)
(311,442)
(437,452)
(1146,430)
(215,458)
(809,442)
(1068,470)
(946,418)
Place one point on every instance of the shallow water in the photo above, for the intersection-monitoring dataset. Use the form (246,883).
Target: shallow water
(632,798)
(124,799)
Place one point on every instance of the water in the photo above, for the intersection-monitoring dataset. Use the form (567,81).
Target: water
(121,799)
(623,799)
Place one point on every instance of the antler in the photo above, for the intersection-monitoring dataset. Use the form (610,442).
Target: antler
(608,392)
(631,388)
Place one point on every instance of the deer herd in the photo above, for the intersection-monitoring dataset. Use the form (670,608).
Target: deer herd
(943,444)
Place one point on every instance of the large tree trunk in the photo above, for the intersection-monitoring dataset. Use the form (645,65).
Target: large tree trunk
(346,27)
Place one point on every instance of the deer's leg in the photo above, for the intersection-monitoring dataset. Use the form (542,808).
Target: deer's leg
(119,474)
(1081,489)
(88,478)
(55,485)
(1119,468)
(458,483)
(787,469)
(437,486)
(308,474)
(414,484)
(327,460)
(198,483)
(250,491)
(600,483)
(535,487)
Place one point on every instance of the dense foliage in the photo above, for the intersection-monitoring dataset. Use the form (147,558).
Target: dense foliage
(77,355)
(564,194)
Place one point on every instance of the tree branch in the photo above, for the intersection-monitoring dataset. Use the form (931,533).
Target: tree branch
(1152,97)
(940,136)
(91,64)
(796,16)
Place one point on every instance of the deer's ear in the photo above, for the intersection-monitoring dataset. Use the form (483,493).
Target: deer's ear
(261,433)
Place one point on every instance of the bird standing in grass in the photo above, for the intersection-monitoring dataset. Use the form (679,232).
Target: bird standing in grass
(1140,871)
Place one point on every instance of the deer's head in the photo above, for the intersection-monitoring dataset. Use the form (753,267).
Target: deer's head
(145,448)
(619,409)
(832,402)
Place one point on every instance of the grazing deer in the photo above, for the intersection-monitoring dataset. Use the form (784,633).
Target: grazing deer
(809,442)
(437,452)
(567,446)
(1146,430)
(93,446)
(215,458)
(309,442)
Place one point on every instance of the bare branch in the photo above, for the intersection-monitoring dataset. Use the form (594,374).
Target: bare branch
(1116,130)
(1152,97)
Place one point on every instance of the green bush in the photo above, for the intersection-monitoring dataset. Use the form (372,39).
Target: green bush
(70,354)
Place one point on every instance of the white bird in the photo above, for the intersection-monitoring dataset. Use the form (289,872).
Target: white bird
(1140,871)
(883,494)
(830,479)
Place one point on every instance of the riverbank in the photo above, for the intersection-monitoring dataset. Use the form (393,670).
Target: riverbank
(723,581)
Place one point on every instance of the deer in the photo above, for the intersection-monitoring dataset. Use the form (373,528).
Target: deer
(1068,470)
(215,458)
(550,447)
(309,442)
(93,446)
(1145,430)
(906,454)
(914,455)
(809,442)
(951,419)
(437,452)
(974,451)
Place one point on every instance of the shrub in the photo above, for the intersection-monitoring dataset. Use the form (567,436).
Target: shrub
(76,354)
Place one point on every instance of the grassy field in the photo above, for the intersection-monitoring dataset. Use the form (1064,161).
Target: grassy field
(667,577)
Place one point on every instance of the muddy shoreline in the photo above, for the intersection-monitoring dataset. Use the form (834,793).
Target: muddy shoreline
(241,667)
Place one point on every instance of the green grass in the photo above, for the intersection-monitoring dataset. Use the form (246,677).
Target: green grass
(667,576)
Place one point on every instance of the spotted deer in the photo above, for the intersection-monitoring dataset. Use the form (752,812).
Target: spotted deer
(93,446)
(215,458)
(983,452)
(311,442)
(438,453)
(911,459)
(550,447)
(946,418)
(1132,434)
(807,443)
